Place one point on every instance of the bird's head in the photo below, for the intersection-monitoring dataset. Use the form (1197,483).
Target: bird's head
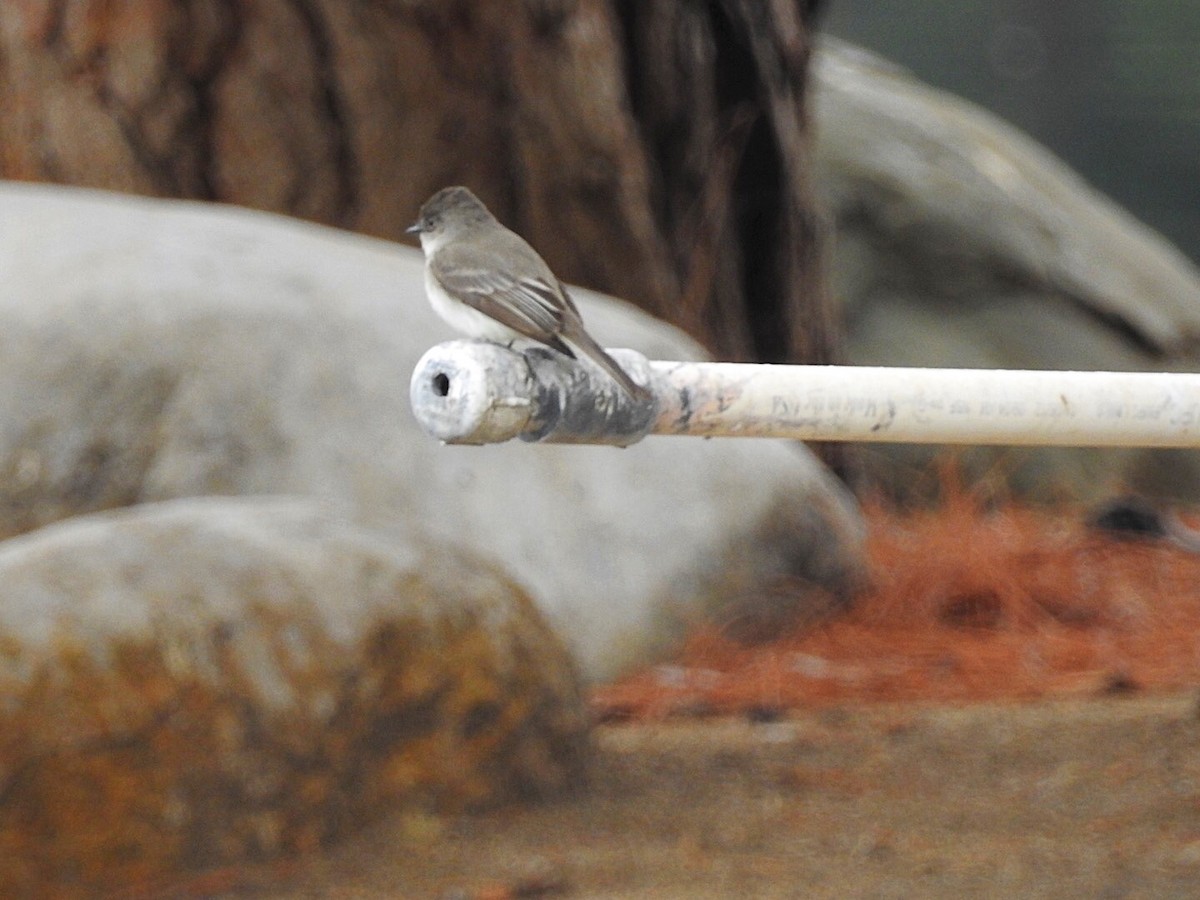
(446,215)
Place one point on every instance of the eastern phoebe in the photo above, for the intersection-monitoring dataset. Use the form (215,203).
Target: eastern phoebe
(487,282)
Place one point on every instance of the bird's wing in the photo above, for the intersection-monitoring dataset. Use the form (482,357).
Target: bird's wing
(530,306)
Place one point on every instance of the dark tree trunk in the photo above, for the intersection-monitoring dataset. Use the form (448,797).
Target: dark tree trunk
(718,91)
(654,149)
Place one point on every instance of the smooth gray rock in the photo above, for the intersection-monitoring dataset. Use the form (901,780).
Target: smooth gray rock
(961,242)
(156,349)
(211,680)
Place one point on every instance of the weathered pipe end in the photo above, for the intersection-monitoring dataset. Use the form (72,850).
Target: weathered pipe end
(477,392)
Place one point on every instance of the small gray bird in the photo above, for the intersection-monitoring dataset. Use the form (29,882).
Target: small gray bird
(488,283)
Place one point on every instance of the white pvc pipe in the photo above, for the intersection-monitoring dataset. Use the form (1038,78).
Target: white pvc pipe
(475,392)
(930,406)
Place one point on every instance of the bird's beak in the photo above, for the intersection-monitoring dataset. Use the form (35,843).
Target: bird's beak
(414,228)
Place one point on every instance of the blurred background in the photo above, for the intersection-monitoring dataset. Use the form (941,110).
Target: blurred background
(1112,86)
(277,654)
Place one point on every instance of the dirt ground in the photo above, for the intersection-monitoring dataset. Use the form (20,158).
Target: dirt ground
(1096,797)
(1012,710)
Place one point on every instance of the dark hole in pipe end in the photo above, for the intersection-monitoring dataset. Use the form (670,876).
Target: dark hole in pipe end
(441,384)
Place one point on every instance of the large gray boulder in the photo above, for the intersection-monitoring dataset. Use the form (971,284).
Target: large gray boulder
(212,680)
(158,349)
(961,242)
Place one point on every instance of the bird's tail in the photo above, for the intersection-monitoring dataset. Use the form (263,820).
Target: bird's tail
(583,342)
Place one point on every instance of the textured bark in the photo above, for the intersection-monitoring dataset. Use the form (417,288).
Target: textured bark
(655,149)
(719,93)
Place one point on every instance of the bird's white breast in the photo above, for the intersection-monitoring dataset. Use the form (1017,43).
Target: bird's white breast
(463,318)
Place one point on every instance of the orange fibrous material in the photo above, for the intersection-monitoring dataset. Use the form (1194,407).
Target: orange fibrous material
(964,604)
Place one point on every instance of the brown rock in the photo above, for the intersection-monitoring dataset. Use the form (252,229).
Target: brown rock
(204,681)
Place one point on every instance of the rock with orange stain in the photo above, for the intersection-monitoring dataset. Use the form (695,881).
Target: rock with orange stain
(210,680)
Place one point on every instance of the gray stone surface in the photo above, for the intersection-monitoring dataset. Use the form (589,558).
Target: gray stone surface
(156,349)
(209,680)
(961,242)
